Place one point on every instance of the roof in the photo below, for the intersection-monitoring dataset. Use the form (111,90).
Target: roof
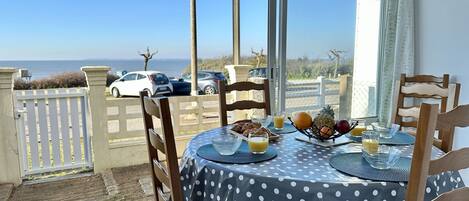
(205,71)
(145,72)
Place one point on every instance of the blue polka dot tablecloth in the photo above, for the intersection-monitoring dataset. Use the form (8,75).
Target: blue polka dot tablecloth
(300,172)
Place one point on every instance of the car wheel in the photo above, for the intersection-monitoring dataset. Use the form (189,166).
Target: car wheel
(209,90)
(115,92)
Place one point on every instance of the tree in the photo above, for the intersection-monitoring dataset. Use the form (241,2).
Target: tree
(335,55)
(147,56)
(260,57)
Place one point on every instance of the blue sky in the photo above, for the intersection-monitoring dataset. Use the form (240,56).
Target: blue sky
(118,29)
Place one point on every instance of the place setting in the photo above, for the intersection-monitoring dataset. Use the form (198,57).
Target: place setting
(379,157)
(275,124)
(389,134)
(247,141)
(243,142)
(375,161)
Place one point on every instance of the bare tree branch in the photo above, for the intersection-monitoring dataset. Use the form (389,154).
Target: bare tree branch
(147,56)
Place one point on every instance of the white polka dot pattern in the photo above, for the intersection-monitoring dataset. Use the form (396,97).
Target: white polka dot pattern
(300,172)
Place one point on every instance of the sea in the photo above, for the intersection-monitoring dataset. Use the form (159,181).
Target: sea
(44,68)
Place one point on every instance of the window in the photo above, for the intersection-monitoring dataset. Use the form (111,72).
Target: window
(160,78)
(220,76)
(203,75)
(129,77)
(140,76)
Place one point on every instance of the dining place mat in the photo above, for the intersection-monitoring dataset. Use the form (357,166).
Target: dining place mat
(287,128)
(354,164)
(401,138)
(242,156)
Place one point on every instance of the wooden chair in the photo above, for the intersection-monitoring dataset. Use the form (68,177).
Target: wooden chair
(422,165)
(425,87)
(166,178)
(244,104)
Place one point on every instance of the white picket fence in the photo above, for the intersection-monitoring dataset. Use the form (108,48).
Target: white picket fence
(308,95)
(311,95)
(53,132)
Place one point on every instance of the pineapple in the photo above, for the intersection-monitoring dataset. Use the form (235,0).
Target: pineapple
(325,118)
(327,110)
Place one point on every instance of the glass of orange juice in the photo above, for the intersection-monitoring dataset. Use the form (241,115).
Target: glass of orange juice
(370,142)
(258,142)
(279,119)
(358,130)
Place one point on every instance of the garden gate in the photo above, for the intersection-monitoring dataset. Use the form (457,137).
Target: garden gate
(52,130)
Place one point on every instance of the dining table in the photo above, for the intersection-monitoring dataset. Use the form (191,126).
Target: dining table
(300,171)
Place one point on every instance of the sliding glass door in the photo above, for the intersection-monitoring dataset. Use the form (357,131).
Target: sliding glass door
(327,55)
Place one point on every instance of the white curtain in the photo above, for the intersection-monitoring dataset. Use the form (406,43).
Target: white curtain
(396,51)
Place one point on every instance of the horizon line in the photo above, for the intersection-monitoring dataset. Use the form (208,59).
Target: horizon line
(134,59)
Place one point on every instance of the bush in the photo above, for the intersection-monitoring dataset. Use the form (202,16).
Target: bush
(21,84)
(111,78)
(63,80)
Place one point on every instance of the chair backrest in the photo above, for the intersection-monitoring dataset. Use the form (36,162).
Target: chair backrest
(163,176)
(243,104)
(422,165)
(424,87)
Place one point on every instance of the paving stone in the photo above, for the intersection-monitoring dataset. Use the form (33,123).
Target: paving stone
(83,188)
(128,183)
(128,180)
(111,185)
(5,191)
(147,185)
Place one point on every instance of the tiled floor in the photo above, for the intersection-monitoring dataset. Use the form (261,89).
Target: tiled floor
(122,184)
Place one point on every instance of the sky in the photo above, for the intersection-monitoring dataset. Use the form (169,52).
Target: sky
(119,29)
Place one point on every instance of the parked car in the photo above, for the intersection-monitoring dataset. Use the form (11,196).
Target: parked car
(155,82)
(257,73)
(181,87)
(206,81)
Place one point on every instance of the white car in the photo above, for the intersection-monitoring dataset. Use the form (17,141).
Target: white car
(155,82)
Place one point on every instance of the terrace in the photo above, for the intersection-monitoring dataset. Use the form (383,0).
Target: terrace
(83,144)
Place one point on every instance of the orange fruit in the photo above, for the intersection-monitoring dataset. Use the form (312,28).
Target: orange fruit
(326,132)
(302,120)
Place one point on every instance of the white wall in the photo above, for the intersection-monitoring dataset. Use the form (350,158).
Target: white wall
(442,46)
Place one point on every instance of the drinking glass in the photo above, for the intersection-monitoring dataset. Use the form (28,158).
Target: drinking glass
(279,119)
(382,129)
(385,158)
(264,121)
(359,129)
(226,144)
(370,142)
(258,142)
